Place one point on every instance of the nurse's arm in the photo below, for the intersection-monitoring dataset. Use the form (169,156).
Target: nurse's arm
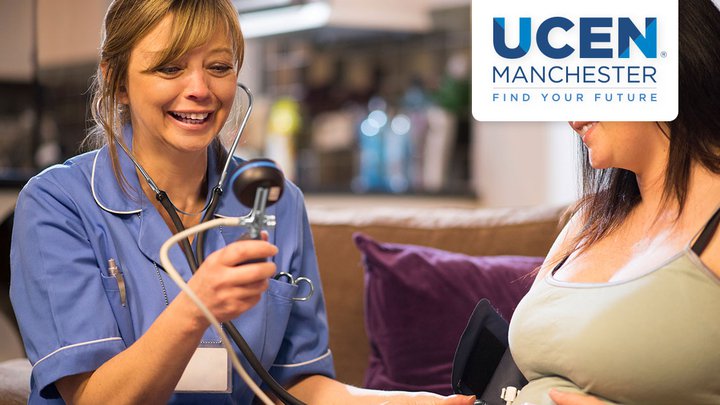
(148,370)
(317,389)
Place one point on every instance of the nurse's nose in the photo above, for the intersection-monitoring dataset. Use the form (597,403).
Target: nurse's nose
(198,86)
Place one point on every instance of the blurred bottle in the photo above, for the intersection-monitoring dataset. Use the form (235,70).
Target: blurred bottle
(370,173)
(283,124)
(453,96)
(438,149)
(397,154)
(415,104)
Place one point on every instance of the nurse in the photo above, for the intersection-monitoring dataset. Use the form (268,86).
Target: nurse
(100,318)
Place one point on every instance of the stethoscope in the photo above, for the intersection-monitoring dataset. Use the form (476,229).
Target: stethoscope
(257,183)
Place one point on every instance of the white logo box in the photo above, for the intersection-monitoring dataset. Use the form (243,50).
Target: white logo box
(536,87)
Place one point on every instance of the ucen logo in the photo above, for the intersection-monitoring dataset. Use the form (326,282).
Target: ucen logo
(626,31)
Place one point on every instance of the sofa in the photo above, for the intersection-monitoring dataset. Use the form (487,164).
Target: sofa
(345,238)
(414,244)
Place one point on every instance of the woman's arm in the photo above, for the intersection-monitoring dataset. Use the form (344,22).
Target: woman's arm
(570,398)
(319,389)
(148,370)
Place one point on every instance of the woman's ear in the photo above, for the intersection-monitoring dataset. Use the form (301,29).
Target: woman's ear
(122,94)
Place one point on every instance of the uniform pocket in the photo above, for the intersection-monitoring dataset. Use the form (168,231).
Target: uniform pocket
(111,285)
(282,290)
(122,314)
(279,306)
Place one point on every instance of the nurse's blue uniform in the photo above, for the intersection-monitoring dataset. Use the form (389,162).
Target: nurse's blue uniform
(72,218)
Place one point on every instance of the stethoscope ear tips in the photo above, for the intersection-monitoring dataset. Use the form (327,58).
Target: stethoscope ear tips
(253,175)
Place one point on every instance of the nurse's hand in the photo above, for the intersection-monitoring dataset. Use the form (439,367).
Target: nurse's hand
(569,398)
(319,389)
(432,399)
(227,284)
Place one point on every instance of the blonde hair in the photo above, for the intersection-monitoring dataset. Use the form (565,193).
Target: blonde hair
(126,23)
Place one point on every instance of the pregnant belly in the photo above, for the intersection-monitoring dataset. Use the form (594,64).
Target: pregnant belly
(536,391)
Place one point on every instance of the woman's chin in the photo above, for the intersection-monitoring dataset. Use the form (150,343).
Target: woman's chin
(597,163)
(192,144)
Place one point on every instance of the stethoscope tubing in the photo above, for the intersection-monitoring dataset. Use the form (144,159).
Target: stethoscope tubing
(218,190)
(240,131)
(177,278)
(196,257)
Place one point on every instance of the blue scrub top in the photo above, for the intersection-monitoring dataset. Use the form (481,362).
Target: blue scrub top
(72,218)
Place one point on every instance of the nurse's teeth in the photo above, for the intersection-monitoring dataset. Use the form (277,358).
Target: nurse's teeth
(193,116)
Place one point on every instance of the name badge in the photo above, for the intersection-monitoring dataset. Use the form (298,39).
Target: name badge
(209,370)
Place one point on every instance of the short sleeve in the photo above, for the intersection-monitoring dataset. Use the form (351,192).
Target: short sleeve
(57,291)
(304,350)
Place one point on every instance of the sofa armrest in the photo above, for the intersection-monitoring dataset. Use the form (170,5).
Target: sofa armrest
(15,381)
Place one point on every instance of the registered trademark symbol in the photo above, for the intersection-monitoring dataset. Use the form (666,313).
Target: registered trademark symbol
(663,54)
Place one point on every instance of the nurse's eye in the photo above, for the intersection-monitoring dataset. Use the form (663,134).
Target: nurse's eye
(221,69)
(168,70)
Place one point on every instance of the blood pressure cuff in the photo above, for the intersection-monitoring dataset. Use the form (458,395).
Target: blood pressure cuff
(483,365)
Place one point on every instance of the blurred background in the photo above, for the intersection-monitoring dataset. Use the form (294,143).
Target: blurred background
(360,101)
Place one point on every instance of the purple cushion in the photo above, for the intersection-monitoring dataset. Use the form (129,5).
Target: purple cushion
(418,301)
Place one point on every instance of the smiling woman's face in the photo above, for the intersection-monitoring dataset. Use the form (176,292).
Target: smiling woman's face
(626,145)
(183,104)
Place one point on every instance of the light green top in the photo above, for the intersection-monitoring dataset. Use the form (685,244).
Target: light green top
(653,339)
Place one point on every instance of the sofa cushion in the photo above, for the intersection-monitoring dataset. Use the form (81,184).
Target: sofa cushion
(418,301)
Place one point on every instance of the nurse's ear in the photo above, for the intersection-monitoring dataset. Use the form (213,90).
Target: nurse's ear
(122,94)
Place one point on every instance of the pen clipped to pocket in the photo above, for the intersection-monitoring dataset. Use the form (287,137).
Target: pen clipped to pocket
(115,273)
(116,286)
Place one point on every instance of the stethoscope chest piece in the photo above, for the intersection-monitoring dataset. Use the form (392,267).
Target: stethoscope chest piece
(258,183)
(254,175)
